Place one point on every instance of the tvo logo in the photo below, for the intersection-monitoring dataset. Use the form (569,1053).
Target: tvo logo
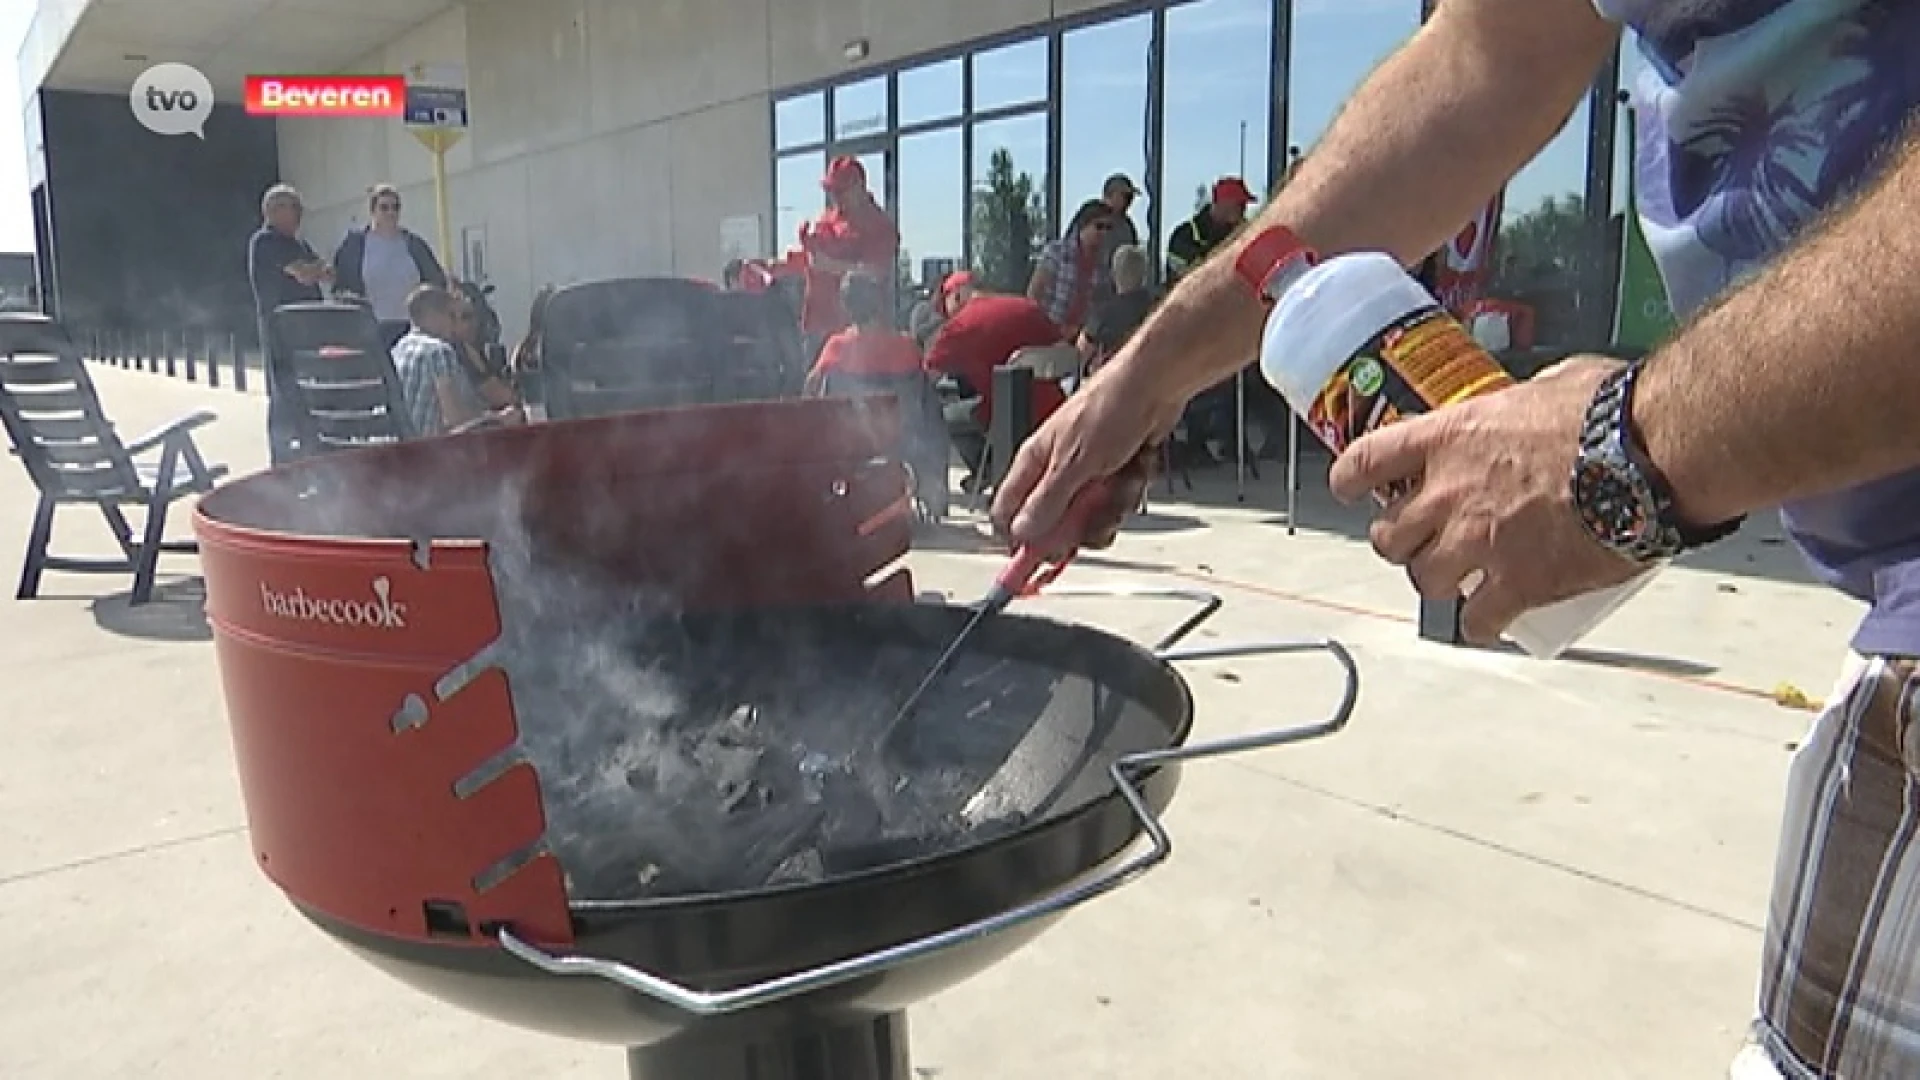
(380,612)
(172,99)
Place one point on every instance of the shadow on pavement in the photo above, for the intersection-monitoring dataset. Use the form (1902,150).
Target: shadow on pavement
(177,612)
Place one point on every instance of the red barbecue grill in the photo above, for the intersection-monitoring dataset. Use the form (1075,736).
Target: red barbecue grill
(554,723)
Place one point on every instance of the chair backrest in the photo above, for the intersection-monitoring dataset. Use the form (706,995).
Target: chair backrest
(641,343)
(338,369)
(1048,361)
(52,414)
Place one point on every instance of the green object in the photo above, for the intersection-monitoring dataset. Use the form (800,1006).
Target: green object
(1645,316)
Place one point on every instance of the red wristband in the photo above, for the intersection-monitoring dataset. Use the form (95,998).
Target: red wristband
(1275,250)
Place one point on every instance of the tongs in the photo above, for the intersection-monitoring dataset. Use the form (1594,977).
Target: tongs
(1032,568)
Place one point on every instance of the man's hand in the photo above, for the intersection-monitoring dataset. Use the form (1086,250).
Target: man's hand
(1489,495)
(1110,429)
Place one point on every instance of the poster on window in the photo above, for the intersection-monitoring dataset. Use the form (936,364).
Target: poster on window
(1464,270)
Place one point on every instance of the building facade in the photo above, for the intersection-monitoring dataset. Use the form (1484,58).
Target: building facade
(635,137)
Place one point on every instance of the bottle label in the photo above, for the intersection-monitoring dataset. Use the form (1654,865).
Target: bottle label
(1423,361)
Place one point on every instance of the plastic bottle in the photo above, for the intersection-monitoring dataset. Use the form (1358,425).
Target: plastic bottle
(1354,343)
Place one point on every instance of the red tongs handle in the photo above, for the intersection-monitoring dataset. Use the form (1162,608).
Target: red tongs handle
(1036,566)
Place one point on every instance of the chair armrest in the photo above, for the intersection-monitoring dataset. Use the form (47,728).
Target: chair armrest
(183,425)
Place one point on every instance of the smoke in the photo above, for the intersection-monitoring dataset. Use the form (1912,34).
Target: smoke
(681,752)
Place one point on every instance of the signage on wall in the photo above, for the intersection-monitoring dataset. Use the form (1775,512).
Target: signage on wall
(441,107)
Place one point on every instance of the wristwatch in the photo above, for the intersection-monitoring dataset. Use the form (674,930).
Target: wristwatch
(1622,499)
(1270,263)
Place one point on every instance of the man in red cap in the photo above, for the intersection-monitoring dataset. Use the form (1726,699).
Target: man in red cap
(1199,235)
(854,233)
(982,332)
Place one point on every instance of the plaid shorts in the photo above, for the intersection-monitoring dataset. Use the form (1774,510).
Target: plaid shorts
(1840,982)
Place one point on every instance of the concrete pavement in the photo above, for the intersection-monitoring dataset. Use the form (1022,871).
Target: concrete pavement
(1501,869)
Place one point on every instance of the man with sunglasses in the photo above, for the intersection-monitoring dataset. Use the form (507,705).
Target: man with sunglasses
(383,263)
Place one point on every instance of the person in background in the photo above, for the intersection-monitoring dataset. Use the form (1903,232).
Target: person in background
(1114,321)
(982,332)
(438,394)
(1119,195)
(384,262)
(1212,226)
(1070,274)
(868,347)
(854,233)
(486,369)
(283,269)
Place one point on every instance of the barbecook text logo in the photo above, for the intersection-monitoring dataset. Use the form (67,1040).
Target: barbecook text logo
(381,613)
(172,99)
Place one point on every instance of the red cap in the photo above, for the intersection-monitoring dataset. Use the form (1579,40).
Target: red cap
(954,282)
(845,173)
(1232,189)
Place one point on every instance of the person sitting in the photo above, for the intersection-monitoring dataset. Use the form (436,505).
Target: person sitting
(486,368)
(1115,320)
(871,357)
(1070,274)
(437,394)
(982,332)
(870,347)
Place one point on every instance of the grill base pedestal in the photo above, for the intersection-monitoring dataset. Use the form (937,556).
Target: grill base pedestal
(868,1048)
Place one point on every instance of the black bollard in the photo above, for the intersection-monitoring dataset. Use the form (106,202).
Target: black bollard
(1012,419)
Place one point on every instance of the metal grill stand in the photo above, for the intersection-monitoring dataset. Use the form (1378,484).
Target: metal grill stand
(854,1048)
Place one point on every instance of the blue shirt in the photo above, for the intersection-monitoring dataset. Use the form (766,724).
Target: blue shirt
(1754,116)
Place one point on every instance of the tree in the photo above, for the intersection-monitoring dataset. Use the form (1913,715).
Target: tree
(1547,247)
(1008,215)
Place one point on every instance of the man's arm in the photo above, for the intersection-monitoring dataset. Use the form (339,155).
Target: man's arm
(1807,379)
(1416,152)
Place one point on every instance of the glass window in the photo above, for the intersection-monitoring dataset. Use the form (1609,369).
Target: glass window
(1103,109)
(1218,75)
(932,204)
(1334,48)
(1009,199)
(860,108)
(800,121)
(796,196)
(932,92)
(1010,75)
(1547,254)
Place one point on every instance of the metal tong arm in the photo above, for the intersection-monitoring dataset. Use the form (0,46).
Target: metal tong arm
(1124,773)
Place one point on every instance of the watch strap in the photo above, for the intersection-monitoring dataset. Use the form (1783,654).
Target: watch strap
(1690,536)
(1272,260)
(1610,420)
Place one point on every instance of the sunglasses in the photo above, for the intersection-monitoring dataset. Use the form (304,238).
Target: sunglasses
(393,206)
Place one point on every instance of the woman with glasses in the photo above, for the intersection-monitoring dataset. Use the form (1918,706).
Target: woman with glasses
(1071,271)
(382,264)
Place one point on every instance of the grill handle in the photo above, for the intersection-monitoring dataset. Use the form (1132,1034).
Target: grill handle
(1207,604)
(708,1003)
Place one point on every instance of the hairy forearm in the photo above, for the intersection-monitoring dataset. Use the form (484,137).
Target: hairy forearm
(1807,379)
(1416,152)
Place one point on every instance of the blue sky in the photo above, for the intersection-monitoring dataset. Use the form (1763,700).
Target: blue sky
(1216,89)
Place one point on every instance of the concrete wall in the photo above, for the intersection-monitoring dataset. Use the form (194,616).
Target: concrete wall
(611,137)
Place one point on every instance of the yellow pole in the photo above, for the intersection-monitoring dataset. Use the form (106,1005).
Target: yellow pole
(440,198)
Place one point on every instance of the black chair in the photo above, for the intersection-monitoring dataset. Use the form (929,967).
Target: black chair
(342,377)
(60,433)
(629,344)
(923,431)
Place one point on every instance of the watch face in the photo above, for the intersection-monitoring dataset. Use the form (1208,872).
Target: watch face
(1610,504)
